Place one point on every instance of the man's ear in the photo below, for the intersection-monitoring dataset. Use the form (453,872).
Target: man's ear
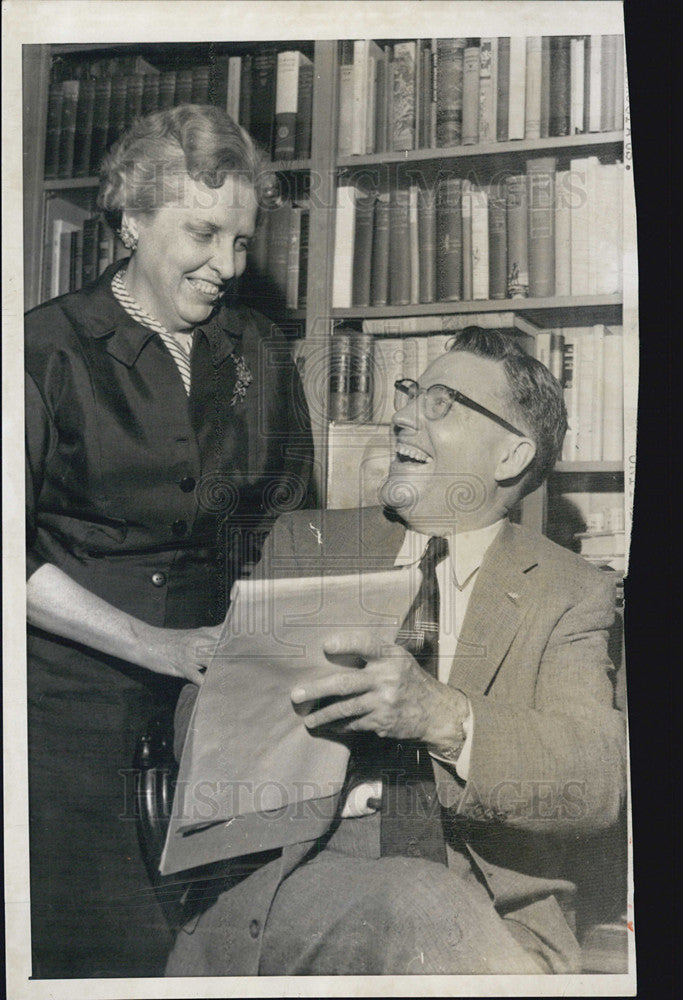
(516,457)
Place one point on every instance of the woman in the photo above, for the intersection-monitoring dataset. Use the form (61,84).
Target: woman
(162,424)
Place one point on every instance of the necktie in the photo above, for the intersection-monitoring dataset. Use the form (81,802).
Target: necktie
(411,814)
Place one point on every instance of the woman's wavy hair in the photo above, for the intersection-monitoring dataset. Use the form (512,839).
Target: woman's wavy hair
(146,168)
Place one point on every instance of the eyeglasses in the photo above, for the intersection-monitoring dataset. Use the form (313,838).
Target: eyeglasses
(439,399)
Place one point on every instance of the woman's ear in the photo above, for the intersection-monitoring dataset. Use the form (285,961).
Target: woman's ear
(516,457)
(129,231)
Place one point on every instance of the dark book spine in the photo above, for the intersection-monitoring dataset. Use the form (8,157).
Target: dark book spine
(545,86)
(167,88)
(183,87)
(304,113)
(498,251)
(541,220)
(470,96)
(117,109)
(340,372)
(76,260)
(360,378)
(100,123)
(200,85)
(150,93)
(426,230)
(55,102)
(91,244)
(467,242)
(245,92)
(263,79)
(362,250)
(560,90)
(425,136)
(67,135)
(557,362)
(503,105)
(379,276)
(449,239)
(399,247)
(381,119)
(402,125)
(134,89)
(518,254)
(278,252)
(450,56)
(303,258)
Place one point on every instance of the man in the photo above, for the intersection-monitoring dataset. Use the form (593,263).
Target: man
(516,727)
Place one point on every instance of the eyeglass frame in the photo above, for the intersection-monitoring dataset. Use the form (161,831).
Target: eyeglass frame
(408,385)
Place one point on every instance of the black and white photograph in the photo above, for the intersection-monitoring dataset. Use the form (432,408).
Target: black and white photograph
(320,382)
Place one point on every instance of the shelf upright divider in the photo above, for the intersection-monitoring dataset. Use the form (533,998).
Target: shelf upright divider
(36,60)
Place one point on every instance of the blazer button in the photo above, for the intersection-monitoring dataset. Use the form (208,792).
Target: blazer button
(158,579)
(254,928)
(187,484)
(179,527)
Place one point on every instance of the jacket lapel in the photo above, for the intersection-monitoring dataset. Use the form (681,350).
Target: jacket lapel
(495,611)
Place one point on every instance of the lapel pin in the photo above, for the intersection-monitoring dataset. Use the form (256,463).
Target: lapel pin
(317,532)
(513,596)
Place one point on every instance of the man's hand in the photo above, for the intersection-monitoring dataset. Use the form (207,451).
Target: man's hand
(391,696)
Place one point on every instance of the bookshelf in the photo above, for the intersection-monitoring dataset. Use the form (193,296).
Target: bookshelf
(323,171)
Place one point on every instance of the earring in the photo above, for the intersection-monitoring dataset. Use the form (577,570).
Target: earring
(128,237)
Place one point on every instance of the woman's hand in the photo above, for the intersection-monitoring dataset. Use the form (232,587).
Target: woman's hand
(182,652)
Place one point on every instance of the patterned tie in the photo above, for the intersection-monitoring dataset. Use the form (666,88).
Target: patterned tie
(411,814)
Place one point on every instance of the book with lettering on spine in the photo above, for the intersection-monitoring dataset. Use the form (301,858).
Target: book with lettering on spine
(449,254)
(480,243)
(304,112)
(290,70)
(345,113)
(404,96)
(361,374)
(262,102)
(503,102)
(362,249)
(340,375)
(466,203)
(470,96)
(450,57)
(488,89)
(517,93)
(541,225)
(517,234)
(560,85)
(498,252)
(426,224)
(67,132)
(399,246)
(379,271)
(533,84)
(365,54)
(426,97)
(100,126)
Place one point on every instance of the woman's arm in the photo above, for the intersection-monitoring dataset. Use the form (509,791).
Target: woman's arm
(58,604)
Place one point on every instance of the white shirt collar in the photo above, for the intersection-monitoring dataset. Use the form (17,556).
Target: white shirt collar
(466,549)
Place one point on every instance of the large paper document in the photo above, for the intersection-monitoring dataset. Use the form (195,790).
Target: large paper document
(252,777)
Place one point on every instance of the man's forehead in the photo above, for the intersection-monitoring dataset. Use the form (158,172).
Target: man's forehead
(468,373)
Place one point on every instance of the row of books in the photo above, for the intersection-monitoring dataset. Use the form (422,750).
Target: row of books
(589,362)
(78,247)
(278,258)
(270,93)
(442,92)
(541,234)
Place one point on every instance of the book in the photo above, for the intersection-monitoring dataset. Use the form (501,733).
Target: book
(619,86)
(100,128)
(545,86)
(571,392)
(117,109)
(613,402)
(517,237)
(296,215)
(414,244)
(344,239)
(67,132)
(365,54)
(246,73)
(278,251)
(608,82)
(517,91)
(470,96)
(288,74)
(303,258)
(560,85)
(404,86)
(76,269)
(382,117)
(304,112)
(503,102)
(345,118)
(606,229)
(340,375)
(262,99)
(488,89)
(233,85)
(55,102)
(379,270)
(105,248)
(167,89)
(592,86)
(562,233)
(556,355)
(449,255)
(466,203)
(399,325)
(598,392)
(361,374)
(199,93)
(576,85)
(399,246)
(134,90)
(425,98)
(183,87)
(498,254)
(450,67)
(362,249)
(541,226)
(583,180)
(585,375)
(480,243)
(150,93)
(91,242)
(426,224)
(533,82)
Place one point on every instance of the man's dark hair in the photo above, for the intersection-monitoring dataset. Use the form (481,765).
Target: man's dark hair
(536,400)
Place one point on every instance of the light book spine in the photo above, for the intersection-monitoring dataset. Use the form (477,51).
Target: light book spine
(488,89)
(517,93)
(562,234)
(532,111)
(344,237)
(480,244)
(577,83)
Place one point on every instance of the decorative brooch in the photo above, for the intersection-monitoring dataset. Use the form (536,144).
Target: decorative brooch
(244,379)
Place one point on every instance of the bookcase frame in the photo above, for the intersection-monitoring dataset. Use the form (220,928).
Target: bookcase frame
(319,318)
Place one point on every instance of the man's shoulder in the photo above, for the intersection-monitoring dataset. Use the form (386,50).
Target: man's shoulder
(553,561)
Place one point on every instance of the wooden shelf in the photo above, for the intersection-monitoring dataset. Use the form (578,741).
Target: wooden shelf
(580,310)
(601,468)
(598,143)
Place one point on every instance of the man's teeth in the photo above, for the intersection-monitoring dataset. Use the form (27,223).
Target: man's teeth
(406,453)
(206,287)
